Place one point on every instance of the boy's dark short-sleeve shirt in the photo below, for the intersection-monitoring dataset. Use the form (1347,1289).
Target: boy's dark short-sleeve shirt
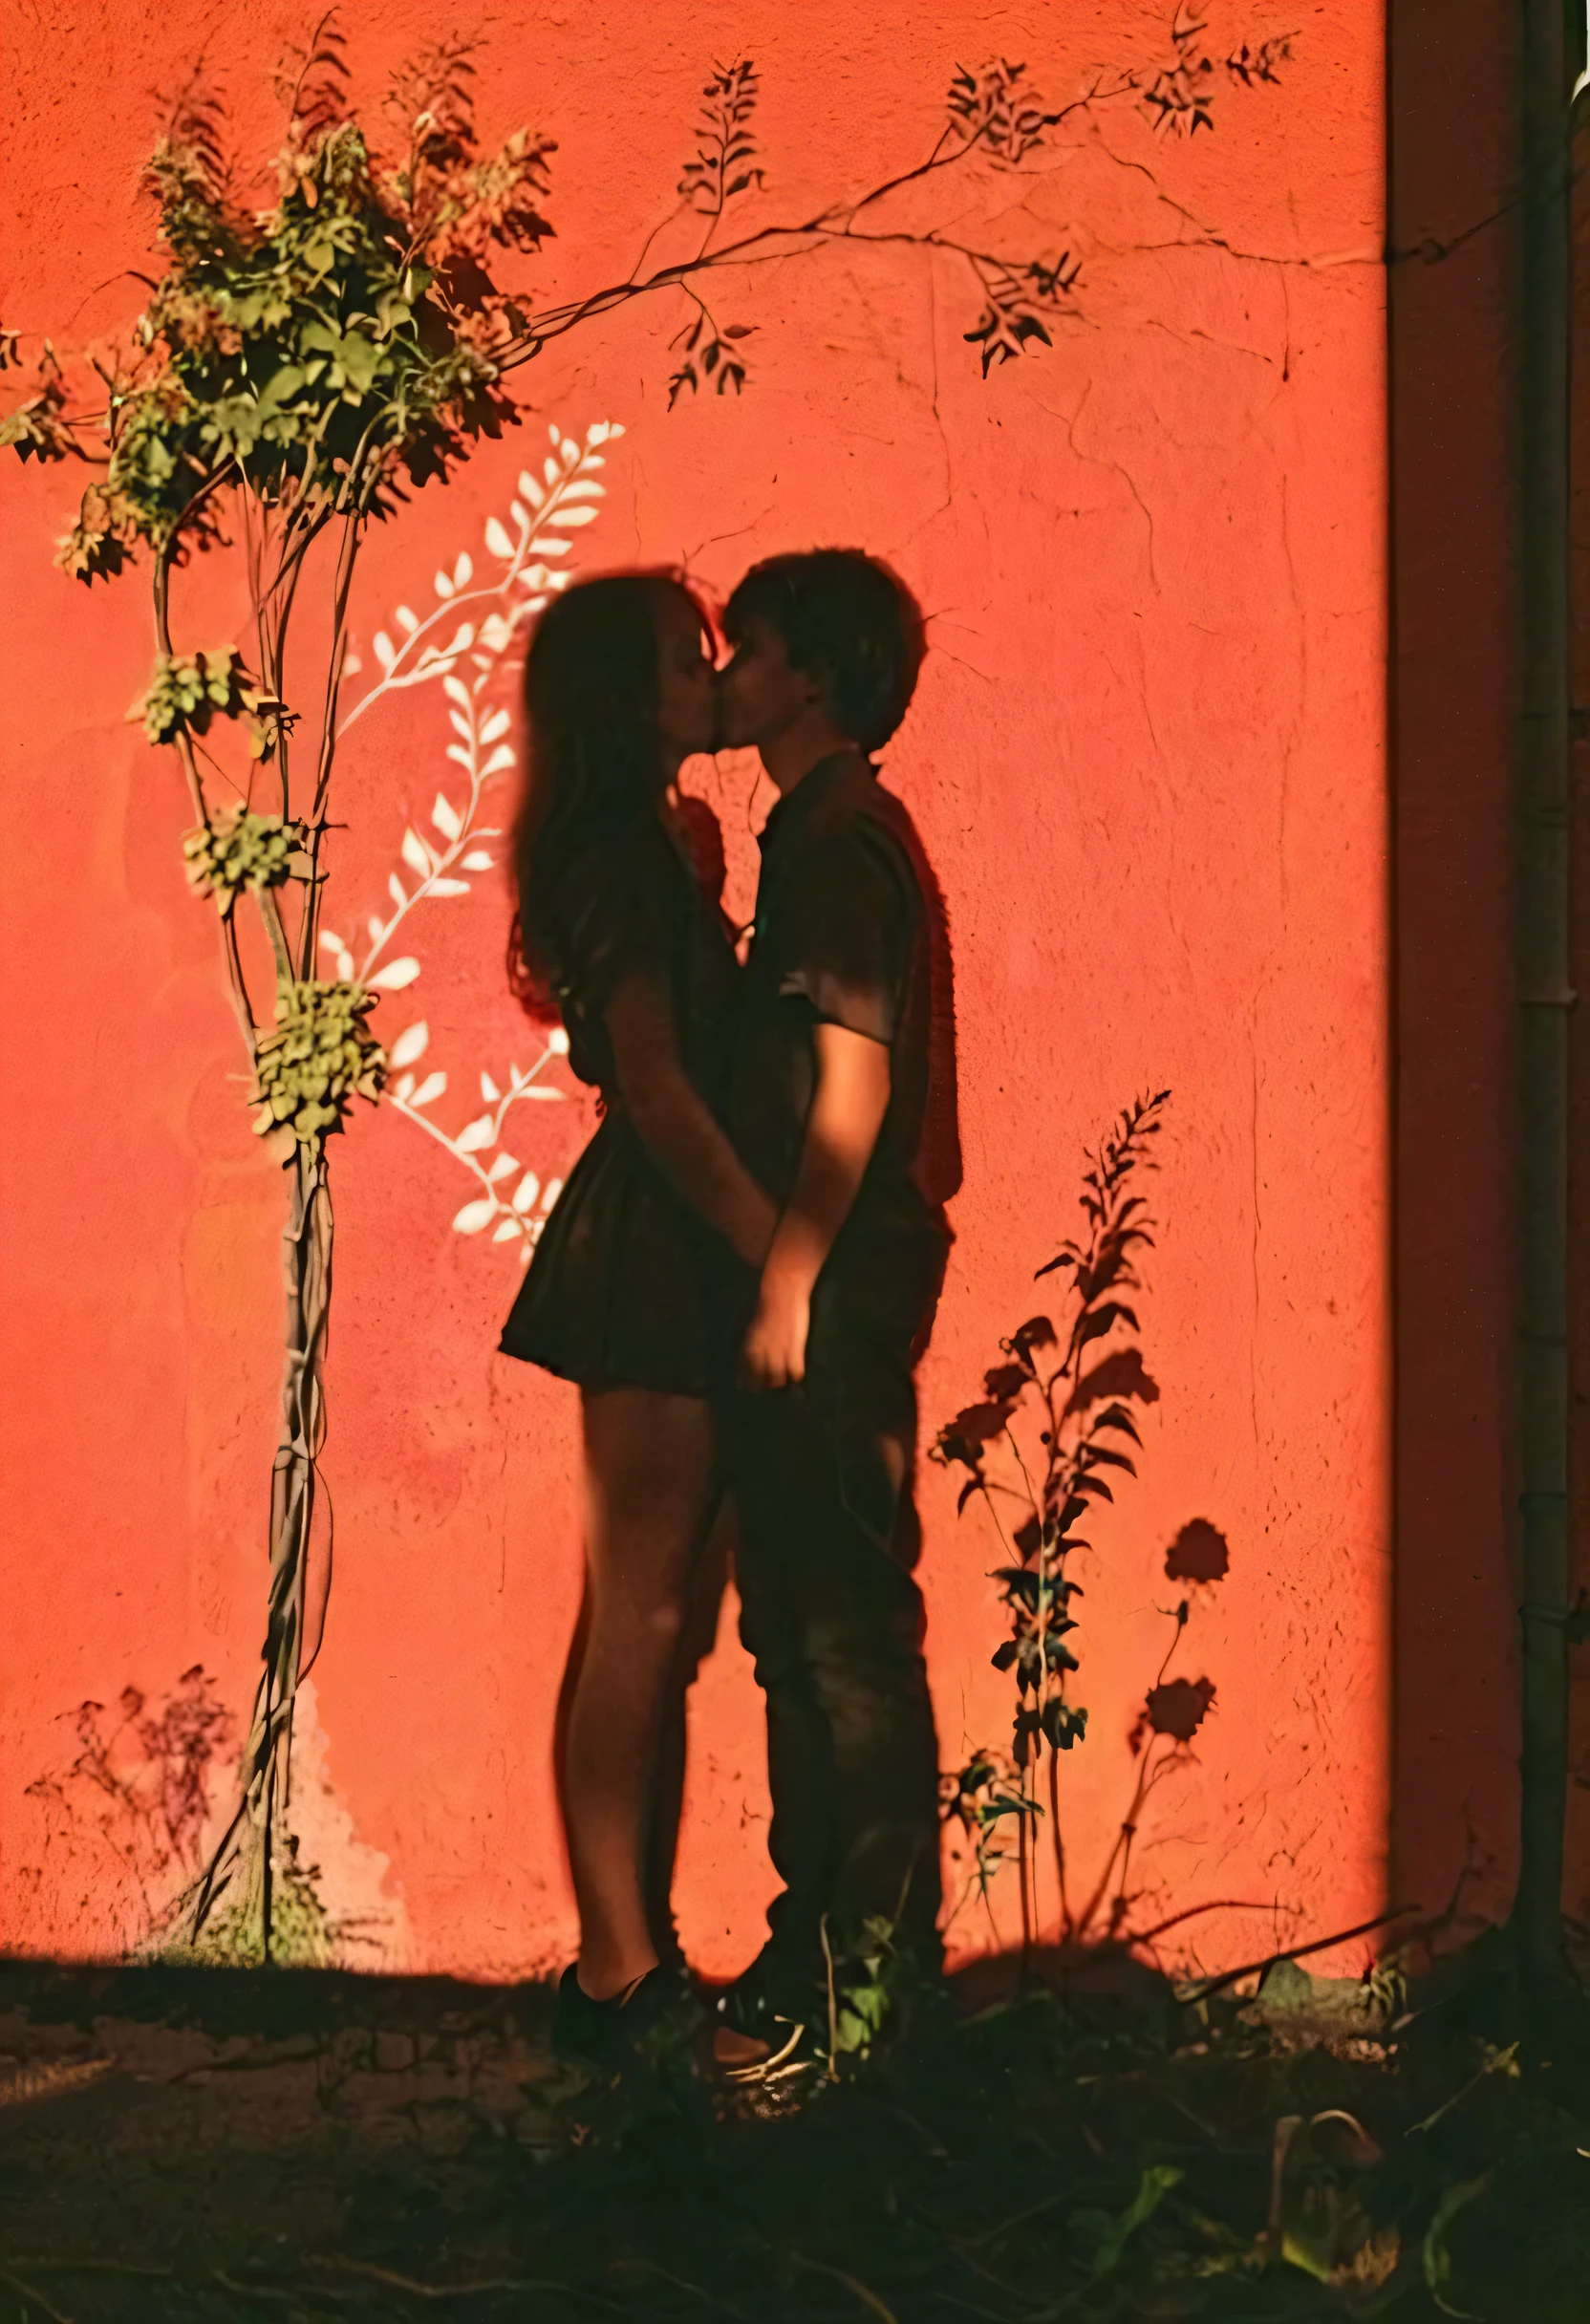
(839,939)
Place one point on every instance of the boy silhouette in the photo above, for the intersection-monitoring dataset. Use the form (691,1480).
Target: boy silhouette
(827,1097)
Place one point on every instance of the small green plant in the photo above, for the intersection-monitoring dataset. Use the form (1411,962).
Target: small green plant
(863,1990)
(987,1798)
(299,1934)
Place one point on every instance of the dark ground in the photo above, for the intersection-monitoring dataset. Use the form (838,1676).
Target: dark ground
(214,2144)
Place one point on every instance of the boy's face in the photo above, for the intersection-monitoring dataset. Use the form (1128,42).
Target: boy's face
(758,695)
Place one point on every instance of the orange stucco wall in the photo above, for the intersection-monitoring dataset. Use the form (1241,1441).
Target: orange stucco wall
(1147,761)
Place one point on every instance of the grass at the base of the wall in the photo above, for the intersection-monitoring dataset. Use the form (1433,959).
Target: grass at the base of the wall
(180,2143)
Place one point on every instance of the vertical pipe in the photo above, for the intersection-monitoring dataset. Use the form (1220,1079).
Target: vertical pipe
(1541,864)
(1577,1874)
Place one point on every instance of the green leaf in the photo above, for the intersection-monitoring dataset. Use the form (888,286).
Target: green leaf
(1437,2259)
(282,383)
(1152,2188)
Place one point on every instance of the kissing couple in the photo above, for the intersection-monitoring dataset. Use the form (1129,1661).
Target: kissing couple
(742,1268)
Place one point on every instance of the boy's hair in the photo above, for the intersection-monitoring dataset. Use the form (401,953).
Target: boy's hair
(846,620)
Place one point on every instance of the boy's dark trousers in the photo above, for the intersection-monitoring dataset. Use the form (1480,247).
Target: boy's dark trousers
(833,1622)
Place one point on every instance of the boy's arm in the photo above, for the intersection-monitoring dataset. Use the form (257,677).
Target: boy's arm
(847,1109)
(675,1123)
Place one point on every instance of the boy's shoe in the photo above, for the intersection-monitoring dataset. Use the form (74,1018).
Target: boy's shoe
(774,1986)
(759,2015)
(765,2005)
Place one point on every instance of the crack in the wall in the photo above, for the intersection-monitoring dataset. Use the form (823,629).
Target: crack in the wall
(715,540)
(1257,1223)
(1231,346)
(1099,460)
(1297,724)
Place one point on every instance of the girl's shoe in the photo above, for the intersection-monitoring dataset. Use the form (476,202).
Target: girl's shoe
(603,2033)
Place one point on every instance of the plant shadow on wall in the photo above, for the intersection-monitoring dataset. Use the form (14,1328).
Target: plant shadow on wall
(1053,1439)
(139,1783)
(131,1811)
(299,371)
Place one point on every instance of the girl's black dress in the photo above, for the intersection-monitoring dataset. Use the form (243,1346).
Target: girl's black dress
(626,1286)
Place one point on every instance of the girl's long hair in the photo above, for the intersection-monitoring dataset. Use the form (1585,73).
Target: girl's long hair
(593,754)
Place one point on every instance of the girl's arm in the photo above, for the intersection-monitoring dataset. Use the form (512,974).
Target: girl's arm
(847,1109)
(675,1123)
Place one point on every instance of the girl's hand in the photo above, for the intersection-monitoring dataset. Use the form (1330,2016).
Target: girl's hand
(774,1353)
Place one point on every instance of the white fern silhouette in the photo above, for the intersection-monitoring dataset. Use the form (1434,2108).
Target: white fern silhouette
(531,568)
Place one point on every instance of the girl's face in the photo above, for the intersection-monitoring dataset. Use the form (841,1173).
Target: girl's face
(687,702)
(758,695)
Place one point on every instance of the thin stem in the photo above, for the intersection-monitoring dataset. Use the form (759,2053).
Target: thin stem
(270,912)
(273,631)
(1021,1854)
(1191,1912)
(557,321)
(469,835)
(237,986)
(968,142)
(188,758)
(1123,1840)
(416,1114)
(988,1487)
(1046,1600)
(301,531)
(256,531)
(1065,1928)
(1296,1952)
(834,2001)
(347,556)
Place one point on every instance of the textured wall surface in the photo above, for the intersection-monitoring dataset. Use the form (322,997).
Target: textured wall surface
(1146,759)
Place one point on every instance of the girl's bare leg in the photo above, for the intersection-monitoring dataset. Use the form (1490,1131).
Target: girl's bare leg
(667,1800)
(649,1491)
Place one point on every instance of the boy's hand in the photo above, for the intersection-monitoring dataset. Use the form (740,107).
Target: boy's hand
(847,1108)
(774,1353)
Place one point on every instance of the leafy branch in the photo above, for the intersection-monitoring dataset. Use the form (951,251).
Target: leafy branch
(724,161)
(1180,99)
(994,114)
(725,165)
